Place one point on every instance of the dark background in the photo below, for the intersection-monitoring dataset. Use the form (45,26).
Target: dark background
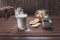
(30,6)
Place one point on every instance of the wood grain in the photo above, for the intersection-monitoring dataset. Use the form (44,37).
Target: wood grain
(9,28)
(30,6)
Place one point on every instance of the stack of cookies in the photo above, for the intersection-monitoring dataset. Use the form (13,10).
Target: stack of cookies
(35,23)
(39,15)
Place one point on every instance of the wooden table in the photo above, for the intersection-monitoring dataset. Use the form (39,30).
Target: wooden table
(8,28)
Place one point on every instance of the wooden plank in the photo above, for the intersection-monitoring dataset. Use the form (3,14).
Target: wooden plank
(11,29)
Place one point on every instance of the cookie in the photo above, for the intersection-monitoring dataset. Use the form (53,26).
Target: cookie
(34,21)
(36,25)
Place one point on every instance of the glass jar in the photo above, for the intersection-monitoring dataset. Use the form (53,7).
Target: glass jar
(46,22)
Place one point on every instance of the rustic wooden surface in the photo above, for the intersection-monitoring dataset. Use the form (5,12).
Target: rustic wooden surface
(8,28)
(30,6)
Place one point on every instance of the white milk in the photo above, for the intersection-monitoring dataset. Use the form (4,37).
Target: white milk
(21,21)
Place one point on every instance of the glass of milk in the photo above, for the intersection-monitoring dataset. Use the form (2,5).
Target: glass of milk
(21,21)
